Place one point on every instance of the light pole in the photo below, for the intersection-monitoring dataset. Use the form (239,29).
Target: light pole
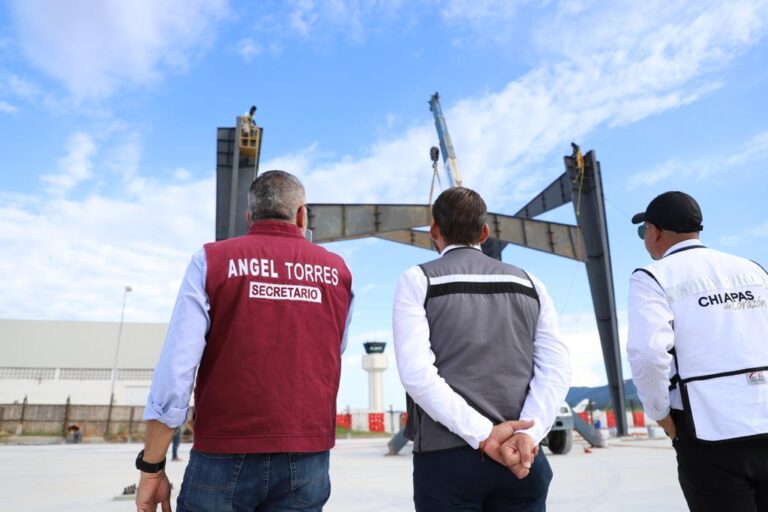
(117,348)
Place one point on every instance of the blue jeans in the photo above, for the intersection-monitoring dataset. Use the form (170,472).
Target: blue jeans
(261,482)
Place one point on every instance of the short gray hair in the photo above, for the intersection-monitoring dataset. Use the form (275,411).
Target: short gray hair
(275,195)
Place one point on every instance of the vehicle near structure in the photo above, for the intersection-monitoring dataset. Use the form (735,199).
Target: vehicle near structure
(560,437)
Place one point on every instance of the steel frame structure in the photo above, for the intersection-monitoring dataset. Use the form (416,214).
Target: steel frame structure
(585,241)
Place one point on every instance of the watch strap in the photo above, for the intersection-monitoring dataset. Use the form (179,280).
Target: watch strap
(148,467)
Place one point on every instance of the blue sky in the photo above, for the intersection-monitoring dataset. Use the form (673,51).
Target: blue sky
(108,115)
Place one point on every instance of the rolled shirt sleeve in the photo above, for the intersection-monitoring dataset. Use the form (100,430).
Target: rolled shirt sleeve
(174,375)
(416,364)
(552,370)
(650,338)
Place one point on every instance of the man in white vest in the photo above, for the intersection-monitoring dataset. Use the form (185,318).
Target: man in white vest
(698,348)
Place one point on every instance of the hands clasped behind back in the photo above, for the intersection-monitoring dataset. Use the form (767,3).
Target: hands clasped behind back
(511,448)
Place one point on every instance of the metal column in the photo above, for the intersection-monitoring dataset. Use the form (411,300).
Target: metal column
(234,174)
(589,206)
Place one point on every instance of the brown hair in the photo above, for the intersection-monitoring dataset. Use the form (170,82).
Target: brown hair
(459,212)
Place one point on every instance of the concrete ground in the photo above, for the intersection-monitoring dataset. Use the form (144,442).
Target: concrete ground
(629,475)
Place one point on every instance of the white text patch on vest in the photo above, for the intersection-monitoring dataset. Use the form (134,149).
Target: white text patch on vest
(274,291)
(251,266)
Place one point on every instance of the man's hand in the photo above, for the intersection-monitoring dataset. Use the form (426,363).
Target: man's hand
(153,488)
(499,435)
(668,424)
(518,452)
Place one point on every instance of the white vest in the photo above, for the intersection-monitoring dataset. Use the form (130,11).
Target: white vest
(720,307)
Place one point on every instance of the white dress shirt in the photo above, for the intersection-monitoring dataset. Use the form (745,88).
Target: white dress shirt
(174,375)
(420,377)
(650,338)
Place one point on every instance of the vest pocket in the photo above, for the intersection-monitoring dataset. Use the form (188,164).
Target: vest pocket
(727,406)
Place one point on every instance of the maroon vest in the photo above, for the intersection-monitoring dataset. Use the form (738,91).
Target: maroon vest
(270,371)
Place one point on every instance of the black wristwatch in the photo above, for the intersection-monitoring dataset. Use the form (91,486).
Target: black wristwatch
(146,467)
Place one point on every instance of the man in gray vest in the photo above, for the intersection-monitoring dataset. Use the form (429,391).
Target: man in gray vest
(698,348)
(481,359)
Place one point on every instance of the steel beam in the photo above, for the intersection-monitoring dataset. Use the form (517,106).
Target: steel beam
(589,206)
(556,194)
(412,237)
(335,222)
(550,237)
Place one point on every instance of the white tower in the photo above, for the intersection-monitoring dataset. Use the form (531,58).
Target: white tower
(375,362)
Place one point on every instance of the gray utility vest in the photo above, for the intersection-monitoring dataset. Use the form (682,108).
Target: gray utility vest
(482,317)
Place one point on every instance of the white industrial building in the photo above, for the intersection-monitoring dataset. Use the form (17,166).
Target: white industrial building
(49,361)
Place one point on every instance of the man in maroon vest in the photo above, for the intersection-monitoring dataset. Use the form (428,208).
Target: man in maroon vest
(263,319)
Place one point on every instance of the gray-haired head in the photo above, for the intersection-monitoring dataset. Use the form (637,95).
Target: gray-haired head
(275,195)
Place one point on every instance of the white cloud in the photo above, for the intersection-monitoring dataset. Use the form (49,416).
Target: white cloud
(303,16)
(126,43)
(125,155)
(69,259)
(182,174)
(581,30)
(729,240)
(311,19)
(249,49)
(25,91)
(7,108)
(495,21)
(481,10)
(75,167)
(500,136)
(760,230)
(21,87)
(659,173)
(753,150)
(757,230)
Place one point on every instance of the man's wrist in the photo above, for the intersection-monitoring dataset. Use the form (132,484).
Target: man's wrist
(485,430)
(532,433)
(151,476)
(148,458)
(146,466)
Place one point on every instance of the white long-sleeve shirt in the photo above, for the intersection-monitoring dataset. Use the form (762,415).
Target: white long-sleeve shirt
(419,375)
(650,338)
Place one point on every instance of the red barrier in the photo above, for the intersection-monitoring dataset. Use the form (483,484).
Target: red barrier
(638,418)
(403,419)
(611,419)
(584,415)
(376,422)
(344,421)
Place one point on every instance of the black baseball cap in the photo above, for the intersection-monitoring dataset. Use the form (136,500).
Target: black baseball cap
(673,211)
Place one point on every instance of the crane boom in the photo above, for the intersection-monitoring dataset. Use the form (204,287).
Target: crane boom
(446,146)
